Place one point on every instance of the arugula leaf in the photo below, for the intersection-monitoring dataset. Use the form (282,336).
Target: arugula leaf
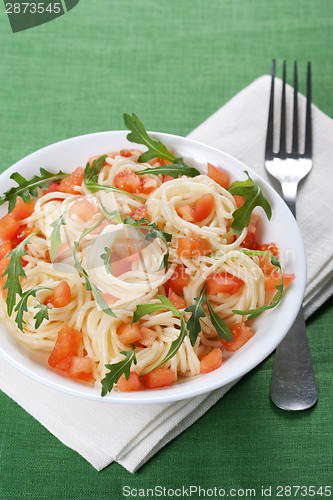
(90,286)
(254,197)
(42,314)
(219,325)
(254,313)
(153,233)
(117,369)
(143,309)
(114,215)
(91,171)
(55,238)
(25,189)
(13,271)
(156,149)
(22,306)
(107,259)
(93,187)
(193,324)
(174,347)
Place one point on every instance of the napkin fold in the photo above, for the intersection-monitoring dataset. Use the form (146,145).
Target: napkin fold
(131,435)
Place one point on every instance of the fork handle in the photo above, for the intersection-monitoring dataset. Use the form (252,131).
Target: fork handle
(289,191)
(293,385)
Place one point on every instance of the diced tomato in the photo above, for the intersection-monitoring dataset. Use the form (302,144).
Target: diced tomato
(68,184)
(84,208)
(167,178)
(265,261)
(203,207)
(211,361)
(273,279)
(9,227)
(223,283)
(132,384)
(130,152)
(185,212)
(241,334)
(3,266)
(64,364)
(53,188)
(120,265)
(189,247)
(250,238)
(178,281)
(60,296)
(92,158)
(177,301)
(140,213)
(109,298)
(80,368)
(22,210)
(5,248)
(147,185)
(128,334)
(161,377)
(47,257)
(126,247)
(66,345)
(21,235)
(215,173)
(270,248)
(239,200)
(148,335)
(127,180)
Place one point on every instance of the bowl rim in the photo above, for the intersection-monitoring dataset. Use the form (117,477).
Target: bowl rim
(175,392)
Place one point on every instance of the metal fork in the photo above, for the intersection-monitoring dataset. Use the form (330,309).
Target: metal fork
(293,385)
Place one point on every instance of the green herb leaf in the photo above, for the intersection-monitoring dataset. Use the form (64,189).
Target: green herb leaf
(42,314)
(219,325)
(55,238)
(193,324)
(93,187)
(174,347)
(107,259)
(114,215)
(156,149)
(254,313)
(25,189)
(117,369)
(13,271)
(254,197)
(22,306)
(91,171)
(153,233)
(143,309)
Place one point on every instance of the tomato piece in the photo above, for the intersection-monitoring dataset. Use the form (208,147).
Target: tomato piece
(241,334)
(160,377)
(250,238)
(92,158)
(148,335)
(140,213)
(265,261)
(128,334)
(22,210)
(270,248)
(167,178)
(61,295)
(21,235)
(80,369)
(239,200)
(273,279)
(68,184)
(47,257)
(218,175)
(3,266)
(211,361)
(203,207)
(132,384)
(5,248)
(130,152)
(177,301)
(120,265)
(223,283)
(83,208)
(9,227)
(53,188)
(127,180)
(185,212)
(147,185)
(109,298)
(189,247)
(178,281)
(66,345)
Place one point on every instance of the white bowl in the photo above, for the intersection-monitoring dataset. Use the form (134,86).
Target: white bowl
(270,327)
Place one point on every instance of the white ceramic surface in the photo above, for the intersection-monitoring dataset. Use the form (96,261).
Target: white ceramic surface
(270,327)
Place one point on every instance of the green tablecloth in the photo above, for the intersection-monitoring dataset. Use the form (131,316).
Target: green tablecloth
(173,63)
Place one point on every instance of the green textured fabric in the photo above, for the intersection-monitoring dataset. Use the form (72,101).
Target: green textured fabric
(173,63)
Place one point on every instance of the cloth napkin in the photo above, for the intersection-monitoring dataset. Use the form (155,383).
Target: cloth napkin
(131,435)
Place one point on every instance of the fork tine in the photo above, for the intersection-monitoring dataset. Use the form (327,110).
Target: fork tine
(294,149)
(308,125)
(270,126)
(283,150)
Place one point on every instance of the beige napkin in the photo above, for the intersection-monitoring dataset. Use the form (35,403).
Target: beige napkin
(129,434)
